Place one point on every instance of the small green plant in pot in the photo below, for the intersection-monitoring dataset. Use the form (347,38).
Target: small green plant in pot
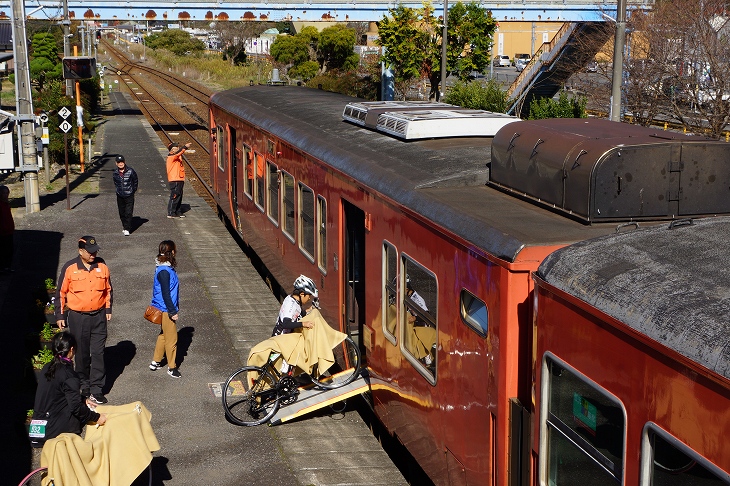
(43,357)
(50,285)
(47,332)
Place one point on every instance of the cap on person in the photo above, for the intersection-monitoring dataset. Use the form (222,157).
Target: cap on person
(120,158)
(172,145)
(88,243)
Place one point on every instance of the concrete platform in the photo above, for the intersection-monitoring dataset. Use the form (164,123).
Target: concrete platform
(225,308)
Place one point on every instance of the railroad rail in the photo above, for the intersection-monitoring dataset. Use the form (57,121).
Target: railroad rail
(173,107)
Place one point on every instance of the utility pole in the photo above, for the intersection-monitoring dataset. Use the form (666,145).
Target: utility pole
(24,110)
(618,60)
(66,23)
(444,45)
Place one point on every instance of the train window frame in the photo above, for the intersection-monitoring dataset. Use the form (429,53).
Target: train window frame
(248,183)
(390,291)
(272,192)
(270,147)
(468,317)
(288,230)
(647,462)
(409,307)
(547,419)
(259,185)
(321,224)
(303,224)
(221,145)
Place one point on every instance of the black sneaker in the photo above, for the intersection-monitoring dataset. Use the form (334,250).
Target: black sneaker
(99,399)
(155,365)
(174,372)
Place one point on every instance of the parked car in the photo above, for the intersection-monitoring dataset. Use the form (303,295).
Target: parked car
(501,61)
(526,58)
(520,64)
(592,67)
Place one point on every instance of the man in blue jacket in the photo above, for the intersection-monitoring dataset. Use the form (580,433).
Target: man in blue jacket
(125,181)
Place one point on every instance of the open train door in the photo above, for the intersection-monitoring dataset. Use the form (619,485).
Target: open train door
(354,270)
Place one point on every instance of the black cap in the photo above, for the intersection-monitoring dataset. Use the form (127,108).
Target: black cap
(120,158)
(88,243)
(172,145)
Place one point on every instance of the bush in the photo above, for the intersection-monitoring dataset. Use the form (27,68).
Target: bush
(304,71)
(563,107)
(490,97)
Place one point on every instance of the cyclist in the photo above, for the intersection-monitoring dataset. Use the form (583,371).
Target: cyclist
(295,305)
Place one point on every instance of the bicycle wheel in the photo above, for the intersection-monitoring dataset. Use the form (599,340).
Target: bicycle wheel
(250,396)
(35,478)
(346,368)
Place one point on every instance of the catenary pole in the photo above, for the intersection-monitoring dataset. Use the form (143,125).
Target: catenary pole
(24,110)
(444,43)
(618,60)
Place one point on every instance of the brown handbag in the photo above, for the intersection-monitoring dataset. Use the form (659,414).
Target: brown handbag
(153,314)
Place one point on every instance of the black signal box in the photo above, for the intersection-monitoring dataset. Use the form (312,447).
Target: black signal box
(79,67)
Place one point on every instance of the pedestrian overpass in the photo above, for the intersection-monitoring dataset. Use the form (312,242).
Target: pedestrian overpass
(305,10)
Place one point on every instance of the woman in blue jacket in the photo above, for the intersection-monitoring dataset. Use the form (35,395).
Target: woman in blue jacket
(165,297)
(58,400)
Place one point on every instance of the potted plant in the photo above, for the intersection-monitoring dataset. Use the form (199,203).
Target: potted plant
(40,359)
(46,334)
(50,286)
(50,312)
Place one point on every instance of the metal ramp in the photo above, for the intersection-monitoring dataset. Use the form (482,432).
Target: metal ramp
(311,399)
(554,62)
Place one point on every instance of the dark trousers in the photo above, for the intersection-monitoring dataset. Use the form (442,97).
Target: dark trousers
(90,333)
(126,210)
(176,193)
(6,251)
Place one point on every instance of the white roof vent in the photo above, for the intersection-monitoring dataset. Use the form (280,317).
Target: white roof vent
(366,113)
(459,122)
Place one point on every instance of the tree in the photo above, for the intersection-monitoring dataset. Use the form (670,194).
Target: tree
(233,37)
(289,50)
(563,107)
(45,65)
(176,41)
(413,39)
(335,48)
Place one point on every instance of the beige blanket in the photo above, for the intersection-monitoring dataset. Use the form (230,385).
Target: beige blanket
(113,454)
(302,348)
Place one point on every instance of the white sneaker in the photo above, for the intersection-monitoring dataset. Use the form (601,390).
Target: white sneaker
(125,233)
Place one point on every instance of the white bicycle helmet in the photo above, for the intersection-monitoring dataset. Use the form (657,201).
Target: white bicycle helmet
(306,285)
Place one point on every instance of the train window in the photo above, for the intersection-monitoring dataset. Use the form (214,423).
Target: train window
(322,233)
(418,329)
(259,187)
(248,160)
(270,147)
(272,174)
(220,141)
(583,429)
(287,203)
(474,312)
(390,292)
(666,461)
(306,220)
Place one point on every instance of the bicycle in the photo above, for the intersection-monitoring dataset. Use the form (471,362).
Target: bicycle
(36,477)
(252,394)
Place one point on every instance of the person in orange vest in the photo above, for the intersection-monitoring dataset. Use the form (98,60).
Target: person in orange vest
(176,178)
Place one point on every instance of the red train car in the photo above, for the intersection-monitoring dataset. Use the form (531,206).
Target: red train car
(423,249)
(632,341)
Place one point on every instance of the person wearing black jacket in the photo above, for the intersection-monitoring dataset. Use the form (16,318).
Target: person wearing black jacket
(125,182)
(58,400)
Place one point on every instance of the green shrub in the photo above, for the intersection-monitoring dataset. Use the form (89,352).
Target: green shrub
(490,96)
(43,357)
(563,107)
(47,332)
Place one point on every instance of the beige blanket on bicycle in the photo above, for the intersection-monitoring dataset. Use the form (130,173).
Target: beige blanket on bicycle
(302,348)
(113,454)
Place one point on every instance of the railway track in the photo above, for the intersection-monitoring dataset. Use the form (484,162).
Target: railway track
(176,108)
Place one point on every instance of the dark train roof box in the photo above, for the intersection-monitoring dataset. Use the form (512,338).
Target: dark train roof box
(598,170)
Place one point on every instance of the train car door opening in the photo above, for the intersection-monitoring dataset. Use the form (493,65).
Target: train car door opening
(233,153)
(354,271)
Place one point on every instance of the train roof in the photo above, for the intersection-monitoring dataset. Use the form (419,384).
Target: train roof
(443,180)
(670,283)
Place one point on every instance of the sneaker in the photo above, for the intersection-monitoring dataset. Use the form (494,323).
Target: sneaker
(180,215)
(98,398)
(171,217)
(155,365)
(174,372)
(125,233)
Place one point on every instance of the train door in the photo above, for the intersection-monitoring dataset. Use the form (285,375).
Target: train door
(354,271)
(234,154)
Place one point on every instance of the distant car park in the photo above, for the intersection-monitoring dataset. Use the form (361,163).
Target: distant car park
(501,61)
